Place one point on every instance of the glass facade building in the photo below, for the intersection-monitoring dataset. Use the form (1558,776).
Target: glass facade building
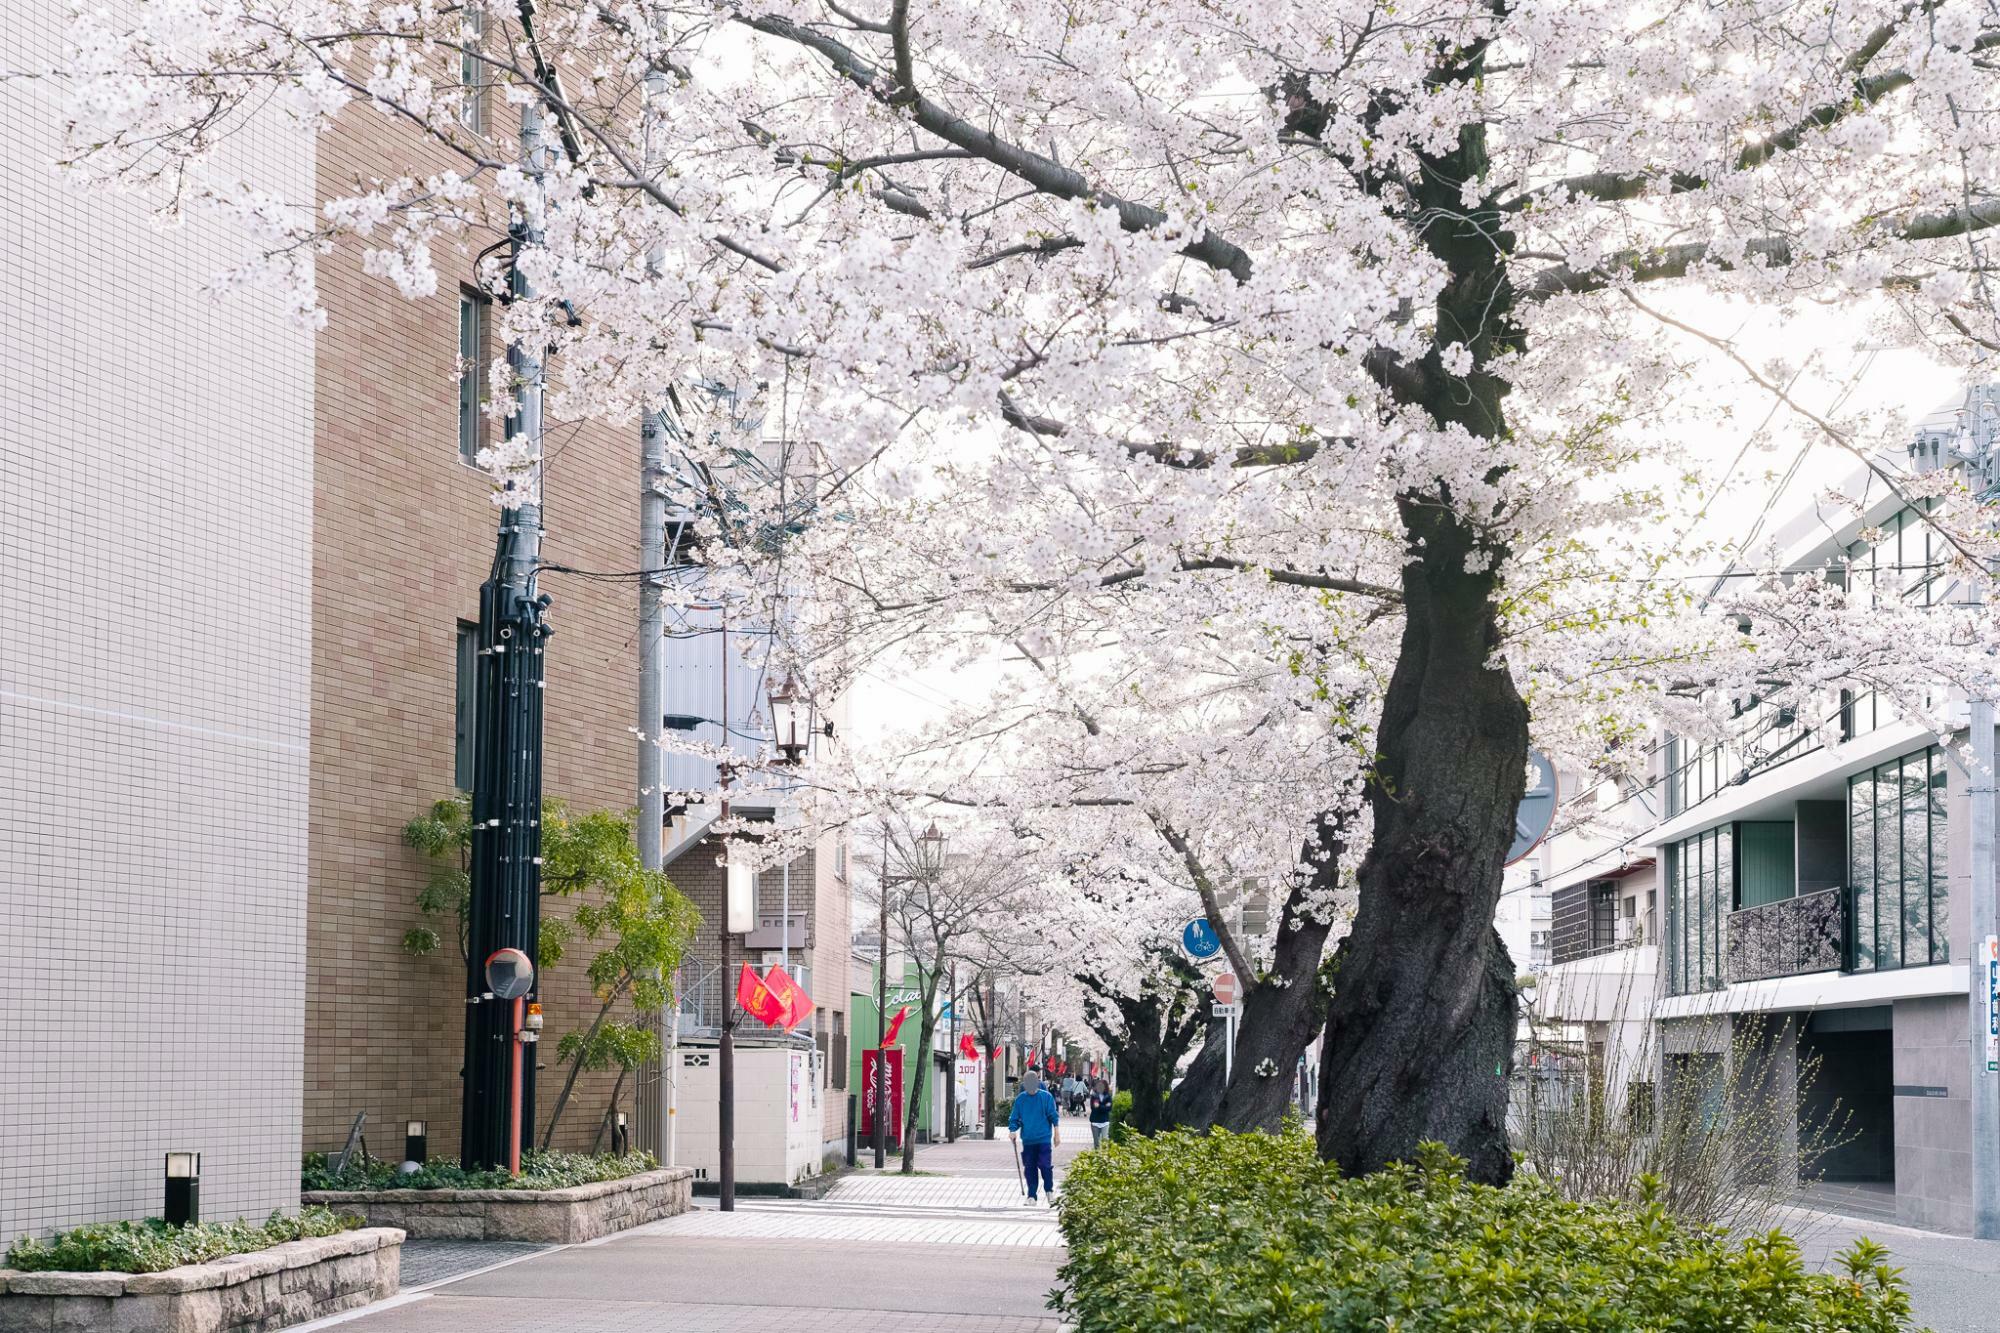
(1897,885)
(1700,884)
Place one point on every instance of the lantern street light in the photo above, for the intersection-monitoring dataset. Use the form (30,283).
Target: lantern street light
(791,721)
(933,841)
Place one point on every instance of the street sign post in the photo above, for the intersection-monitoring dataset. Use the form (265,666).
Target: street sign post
(1990,957)
(1538,807)
(1200,940)
(1226,1009)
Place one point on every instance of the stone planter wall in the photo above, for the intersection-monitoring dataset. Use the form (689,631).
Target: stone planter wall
(245,1293)
(558,1217)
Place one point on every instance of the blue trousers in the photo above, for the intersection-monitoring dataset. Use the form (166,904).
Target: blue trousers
(1039,1157)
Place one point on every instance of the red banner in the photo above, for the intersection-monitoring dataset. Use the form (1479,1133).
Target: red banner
(798,1005)
(758,1000)
(868,1067)
(967,1047)
(895,1026)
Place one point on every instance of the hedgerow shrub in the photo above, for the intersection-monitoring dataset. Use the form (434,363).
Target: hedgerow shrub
(1241,1232)
(1121,1116)
(539,1171)
(153,1246)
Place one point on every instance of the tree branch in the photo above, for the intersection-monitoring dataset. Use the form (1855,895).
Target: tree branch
(1044,173)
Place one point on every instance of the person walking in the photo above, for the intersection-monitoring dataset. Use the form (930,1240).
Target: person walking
(1035,1124)
(1100,1111)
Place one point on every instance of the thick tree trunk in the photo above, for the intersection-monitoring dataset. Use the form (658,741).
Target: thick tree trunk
(1281,1014)
(1152,1033)
(1420,1028)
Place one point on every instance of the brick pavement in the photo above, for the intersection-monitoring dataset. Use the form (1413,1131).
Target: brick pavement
(957,1253)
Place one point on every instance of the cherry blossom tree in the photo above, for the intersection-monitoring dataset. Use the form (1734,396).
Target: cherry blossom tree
(1086,318)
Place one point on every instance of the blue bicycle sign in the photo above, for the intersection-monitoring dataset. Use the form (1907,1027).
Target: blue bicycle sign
(1199,939)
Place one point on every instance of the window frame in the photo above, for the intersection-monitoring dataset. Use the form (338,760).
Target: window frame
(473,344)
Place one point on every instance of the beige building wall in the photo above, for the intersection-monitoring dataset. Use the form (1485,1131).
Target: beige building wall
(156,478)
(405,537)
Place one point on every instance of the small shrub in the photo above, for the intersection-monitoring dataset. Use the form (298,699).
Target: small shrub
(1002,1109)
(1121,1117)
(1179,1231)
(152,1246)
(539,1171)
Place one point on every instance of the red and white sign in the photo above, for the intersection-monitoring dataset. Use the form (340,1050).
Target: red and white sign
(1225,988)
(868,1059)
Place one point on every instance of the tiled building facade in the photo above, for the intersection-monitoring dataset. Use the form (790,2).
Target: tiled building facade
(156,472)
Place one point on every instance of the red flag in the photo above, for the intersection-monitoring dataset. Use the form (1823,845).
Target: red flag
(798,1005)
(757,999)
(1031,1057)
(895,1026)
(967,1047)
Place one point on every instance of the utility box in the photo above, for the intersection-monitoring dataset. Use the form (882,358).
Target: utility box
(778,1113)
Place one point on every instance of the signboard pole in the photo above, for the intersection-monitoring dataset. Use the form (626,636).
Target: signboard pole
(1229,1047)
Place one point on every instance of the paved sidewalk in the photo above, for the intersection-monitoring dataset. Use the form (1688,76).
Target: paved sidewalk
(959,1253)
(1954,1282)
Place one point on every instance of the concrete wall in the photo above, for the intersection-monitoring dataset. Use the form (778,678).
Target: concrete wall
(156,480)
(1933,1134)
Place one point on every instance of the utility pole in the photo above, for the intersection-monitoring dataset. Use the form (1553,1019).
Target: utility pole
(993,1049)
(951,1094)
(656,1110)
(1985,926)
(505,909)
(725,1054)
(882,1014)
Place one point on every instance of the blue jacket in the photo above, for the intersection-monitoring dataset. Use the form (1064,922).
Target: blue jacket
(1034,1116)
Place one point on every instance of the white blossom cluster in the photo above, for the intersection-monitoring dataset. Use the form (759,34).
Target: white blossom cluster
(1089,334)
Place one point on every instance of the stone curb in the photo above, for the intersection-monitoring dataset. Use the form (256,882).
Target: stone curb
(284,1284)
(559,1217)
(572,1194)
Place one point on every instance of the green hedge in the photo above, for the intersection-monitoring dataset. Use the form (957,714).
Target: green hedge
(1121,1116)
(1179,1231)
(153,1246)
(539,1171)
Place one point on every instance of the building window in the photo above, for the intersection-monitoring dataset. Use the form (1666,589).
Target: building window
(836,1064)
(468,692)
(1896,873)
(1701,889)
(473,310)
(472,71)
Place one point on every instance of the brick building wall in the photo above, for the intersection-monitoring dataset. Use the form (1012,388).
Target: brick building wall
(405,534)
(819,890)
(155,524)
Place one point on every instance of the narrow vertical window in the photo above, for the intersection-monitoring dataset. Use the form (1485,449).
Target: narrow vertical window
(472,71)
(472,309)
(468,693)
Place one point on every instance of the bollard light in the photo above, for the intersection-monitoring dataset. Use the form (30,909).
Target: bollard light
(183,1203)
(621,1140)
(416,1146)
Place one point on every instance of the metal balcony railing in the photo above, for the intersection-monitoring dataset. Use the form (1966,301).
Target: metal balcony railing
(1786,938)
(702,997)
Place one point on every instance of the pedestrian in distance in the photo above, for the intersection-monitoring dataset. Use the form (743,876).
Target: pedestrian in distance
(1035,1126)
(1100,1111)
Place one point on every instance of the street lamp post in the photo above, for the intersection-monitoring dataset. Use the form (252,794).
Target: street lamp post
(792,739)
(504,905)
(931,838)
